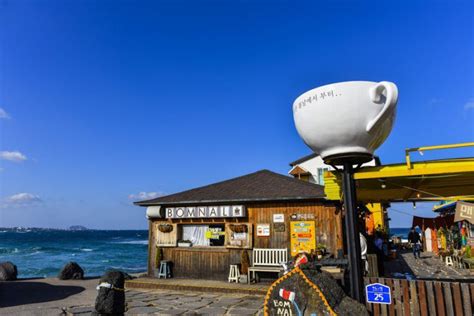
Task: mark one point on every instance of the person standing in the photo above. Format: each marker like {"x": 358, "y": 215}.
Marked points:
{"x": 415, "y": 241}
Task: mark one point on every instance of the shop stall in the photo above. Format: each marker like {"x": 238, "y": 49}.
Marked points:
{"x": 204, "y": 230}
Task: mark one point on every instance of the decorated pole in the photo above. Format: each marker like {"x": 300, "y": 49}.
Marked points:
{"x": 344, "y": 123}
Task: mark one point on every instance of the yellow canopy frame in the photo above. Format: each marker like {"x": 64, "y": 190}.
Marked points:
{"x": 435, "y": 180}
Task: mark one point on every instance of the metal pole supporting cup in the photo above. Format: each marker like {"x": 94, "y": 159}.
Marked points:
{"x": 352, "y": 234}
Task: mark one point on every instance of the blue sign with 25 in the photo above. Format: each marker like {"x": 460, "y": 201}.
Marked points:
{"x": 378, "y": 293}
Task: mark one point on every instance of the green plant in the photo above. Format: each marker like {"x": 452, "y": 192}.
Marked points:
{"x": 468, "y": 251}
{"x": 185, "y": 241}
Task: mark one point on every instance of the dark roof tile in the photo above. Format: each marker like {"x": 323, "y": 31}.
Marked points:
{"x": 263, "y": 185}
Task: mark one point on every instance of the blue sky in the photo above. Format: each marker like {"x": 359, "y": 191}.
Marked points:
{"x": 102, "y": 100}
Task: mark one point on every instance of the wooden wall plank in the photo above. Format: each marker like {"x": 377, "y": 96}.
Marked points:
{"x": 406, "y": 298}
{"x": 439, "y": 299}
{"x": 383, "y": 309}
{"x": 414, "y": 298}
{"x": 466, "y": 298}
{"x": 422, "y": 298}
{"x": 376, "y": 309}
{"x": 472, "y": 293}
{"x": 391, "y": 307}
{"x": 448, "y": 299}
{"x": 397, "y": 297}
{"x": 457, "y": 298}
{"x": 430, "y": 295}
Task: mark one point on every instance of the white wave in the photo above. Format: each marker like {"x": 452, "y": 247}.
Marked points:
{"x": 35, "y": 253}
{"x": 87, "y": 249}
{"x": 133, "y": 242}
{"x": 7, "y": 250}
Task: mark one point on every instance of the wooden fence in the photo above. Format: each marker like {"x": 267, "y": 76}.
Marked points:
{"x": 425, "y": 298}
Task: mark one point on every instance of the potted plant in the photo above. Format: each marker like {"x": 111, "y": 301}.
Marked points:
{"x": 165, "y": 228}
{"x": 184, "y": 243}
{"x": 320, "y": 251}
{"x": 238, "y": 228}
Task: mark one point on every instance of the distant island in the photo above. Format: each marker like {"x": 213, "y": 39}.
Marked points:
{"x": 77, "y": 227}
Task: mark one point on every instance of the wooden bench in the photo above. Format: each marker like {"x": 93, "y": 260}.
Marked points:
{"x": 267, "y": 260}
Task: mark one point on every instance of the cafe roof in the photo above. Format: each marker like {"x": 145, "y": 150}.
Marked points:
{"x": 263, "y": 185}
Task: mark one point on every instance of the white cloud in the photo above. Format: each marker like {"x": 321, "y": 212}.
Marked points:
{"x": 4, "y": 114}
{"x": 145, "y": 195}
{"x": 469, "y": 104}
{"x": 15, "y": 156}
{"x": 21, "y": 200}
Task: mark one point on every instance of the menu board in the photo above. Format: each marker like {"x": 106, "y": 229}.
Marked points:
{"x": 303, "y": 237}
{"x": 263, "y": 230}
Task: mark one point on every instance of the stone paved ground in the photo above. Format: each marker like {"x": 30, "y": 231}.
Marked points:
{"x": 163, "y": 302}
{"x": 428, "y": 267}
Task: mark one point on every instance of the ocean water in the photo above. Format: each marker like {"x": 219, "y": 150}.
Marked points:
{"x": 43, "y": 252}
{"x": 400, "y": 232}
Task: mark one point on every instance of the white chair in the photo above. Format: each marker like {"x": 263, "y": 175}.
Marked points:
{"x": 234, "y": 273}
{"x": 165, "y": 269}
{"x": 449, "y": 261}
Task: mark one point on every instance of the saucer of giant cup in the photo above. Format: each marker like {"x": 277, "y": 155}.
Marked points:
{"x": 346, "y": 122}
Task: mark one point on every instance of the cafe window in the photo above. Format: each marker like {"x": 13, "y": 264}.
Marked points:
{"x": 204, "y": 235}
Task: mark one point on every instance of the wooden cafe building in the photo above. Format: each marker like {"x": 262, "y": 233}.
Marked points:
{"x": 204, "y": 230}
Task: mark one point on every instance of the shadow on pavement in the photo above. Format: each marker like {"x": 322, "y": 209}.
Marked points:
{"x": 21, "y": 293}
{"x": 399, "y": 266}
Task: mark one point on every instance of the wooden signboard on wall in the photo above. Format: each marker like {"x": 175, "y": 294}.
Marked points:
{"x": 238, "y": 235}
{"x": 303, "y": 237}
{"x": 164, "y": 236}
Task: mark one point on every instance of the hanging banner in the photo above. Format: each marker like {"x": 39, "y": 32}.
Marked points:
{"x": 303, "y": 237}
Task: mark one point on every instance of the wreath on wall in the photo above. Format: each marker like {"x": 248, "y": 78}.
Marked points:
{"x": 165, "y": 228}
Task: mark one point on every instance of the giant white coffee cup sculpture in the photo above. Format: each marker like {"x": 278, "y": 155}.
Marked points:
{"x": 345, "y": 123}
{"x": 346, "y": 120}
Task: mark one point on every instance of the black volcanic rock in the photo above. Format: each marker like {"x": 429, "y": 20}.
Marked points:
{"x": 8, "y": 271}
{"x": 71, "y": 271}
{"x": 126, "y": 276}
{"x": 312, "y": 292}
{"x": 111, "y": 301}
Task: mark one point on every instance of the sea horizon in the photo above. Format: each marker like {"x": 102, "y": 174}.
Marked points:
{"x": 42, "y": 252}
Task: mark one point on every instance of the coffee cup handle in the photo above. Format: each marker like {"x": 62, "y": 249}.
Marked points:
{"x": 390, "y": 102}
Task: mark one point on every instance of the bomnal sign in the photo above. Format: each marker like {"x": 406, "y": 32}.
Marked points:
{"x": 205, "y": 211}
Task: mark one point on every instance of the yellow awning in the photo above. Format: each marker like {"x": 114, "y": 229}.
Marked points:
{"x": 449, "y": 179}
